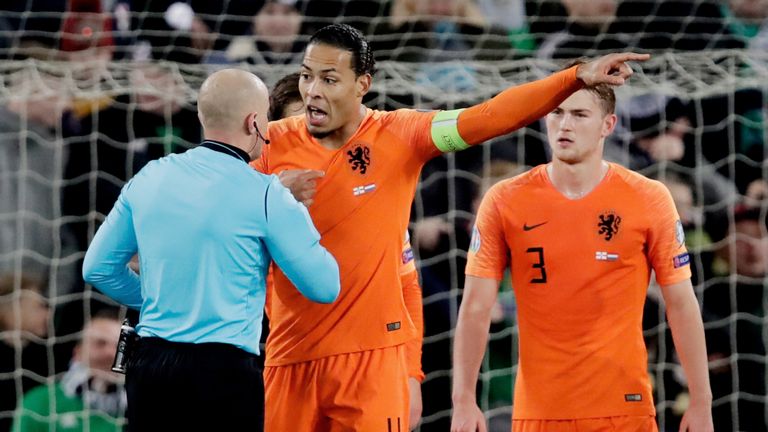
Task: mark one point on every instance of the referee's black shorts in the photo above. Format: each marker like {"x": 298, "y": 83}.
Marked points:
{"x": 193, "y": 387}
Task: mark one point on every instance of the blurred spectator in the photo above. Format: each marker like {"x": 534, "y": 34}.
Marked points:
{"x": 119, "y": 136}
{"x": 89, "y": 397}
{"x": 680, "y": 25}
{"x": 655, "y": 130}
{"x": 361, "y": 14}
{"x": 597, "y": 27}
{"x": 588, "y": 31}
{"x": 275, "y": 40}
{"x": 37, "y": 33}
{"x": 86, "y": 41}
{"x": 510, "y": 15}
{"x": 24, "y": 322}
{"x": 438, "y": 31}
{"x": 31, "y": 158}
{"x": 734, "y": 312}
{"x": 170, "y": 30}
{"x": 745, "y": 17}
{"x": 436, "y": 238}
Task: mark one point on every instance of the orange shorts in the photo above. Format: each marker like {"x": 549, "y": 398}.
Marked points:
{"x": 362, "y": 391}
{"x": 603, "y": 424}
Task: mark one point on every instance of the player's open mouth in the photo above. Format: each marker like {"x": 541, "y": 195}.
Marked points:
{"x": 316, "y": 116}
{"x": 565, "y": 141}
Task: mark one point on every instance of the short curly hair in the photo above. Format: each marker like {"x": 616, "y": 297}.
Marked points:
{"x": 348, "y": 38}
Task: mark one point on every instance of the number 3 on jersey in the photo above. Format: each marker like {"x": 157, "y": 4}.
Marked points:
{"x": 538, "y": 265}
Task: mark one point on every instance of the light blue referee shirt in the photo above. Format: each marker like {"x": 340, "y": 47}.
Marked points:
{"x": 206, "y": 225}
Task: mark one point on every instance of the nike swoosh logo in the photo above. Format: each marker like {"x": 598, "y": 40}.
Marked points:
{"x": 527, "y": 227}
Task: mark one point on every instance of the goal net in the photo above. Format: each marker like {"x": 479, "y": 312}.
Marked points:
{"x": 73, "y": 132}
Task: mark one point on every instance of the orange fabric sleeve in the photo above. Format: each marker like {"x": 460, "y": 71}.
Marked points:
{"x": 516, "y": 107}
{"x": 413, "y": 302}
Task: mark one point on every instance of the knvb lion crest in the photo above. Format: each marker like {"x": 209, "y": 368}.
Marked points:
{"x": 608, "y": 225}
{"x": 359, "y": 158}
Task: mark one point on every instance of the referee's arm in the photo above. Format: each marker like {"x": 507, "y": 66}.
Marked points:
{"x": 106, "y": 261}
{"x": 294, "y": 244}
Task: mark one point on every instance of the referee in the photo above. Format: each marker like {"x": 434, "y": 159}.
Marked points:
{"x": 205, "y": 226}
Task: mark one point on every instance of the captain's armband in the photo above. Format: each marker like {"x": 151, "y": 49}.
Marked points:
{"x": 445, "y": 131}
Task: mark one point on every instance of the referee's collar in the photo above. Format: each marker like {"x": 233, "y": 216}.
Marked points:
{"x": 227, "y": 149}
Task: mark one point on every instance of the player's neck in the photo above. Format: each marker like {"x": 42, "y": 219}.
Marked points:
{"x": 228, "y": 138}
{"x": 575, "y": 181}
{"x": 338, "y": 138}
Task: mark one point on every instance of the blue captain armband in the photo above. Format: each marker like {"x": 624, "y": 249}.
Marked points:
{"x": 445, "y": 131}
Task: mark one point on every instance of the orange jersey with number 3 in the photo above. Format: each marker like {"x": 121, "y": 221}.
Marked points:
{"x": 361, "y": 210}
{"x": 580, "y": 271}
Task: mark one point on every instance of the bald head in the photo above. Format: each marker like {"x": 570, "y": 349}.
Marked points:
{"x": 228, "y": 96}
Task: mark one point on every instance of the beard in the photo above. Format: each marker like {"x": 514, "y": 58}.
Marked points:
{"x": 320, "y": 134}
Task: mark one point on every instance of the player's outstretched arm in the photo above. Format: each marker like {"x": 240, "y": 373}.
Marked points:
{"x": 688, "y": 333}
{"x": 294, "y": 244}
{"x": 106, "y": 261}
{"x": 520, "y": 105}
{"x": 468, "y": 350}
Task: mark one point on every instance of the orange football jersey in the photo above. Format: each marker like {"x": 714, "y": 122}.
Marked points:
{"x": 580, "y": 271}
{"x": 361, "y": 210}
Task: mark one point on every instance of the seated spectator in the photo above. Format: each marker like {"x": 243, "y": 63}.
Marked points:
{"x": 24, "y": 323}
{"x": 733, "y": 311}
{"x": 30, "y": 162}
{"x": 678, "y": 25}
{"x": 119, "y": 137}
{"x": 601, "y": 26}
{"x": 588, "y": 31}
{"x": 86, "y": 41}
{"x": 656, "y": 130}
{"x": 439, "y": 30}
{"x": 745, "y": 17}
{"x": 89, "y": 397}
{"x": 37, "y": 33}
{"x": 170, "y": 30}
{"x": 510, "y": 15}
{"x": 276, "y": 36}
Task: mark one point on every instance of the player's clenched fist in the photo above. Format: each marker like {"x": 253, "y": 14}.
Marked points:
{"x": 302, "y": 183}
{"x": 467, "y": 417}
{"x": 609, "y": 69}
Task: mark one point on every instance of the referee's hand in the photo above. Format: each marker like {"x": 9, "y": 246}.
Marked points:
{"x": 302, "y": 183}
{"x": 467, "y": 417}
{"x": 611, "y": 69}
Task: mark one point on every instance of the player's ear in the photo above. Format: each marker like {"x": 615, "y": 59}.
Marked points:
{"x": 609, "y": 124}
{"x": 363, "y": 85}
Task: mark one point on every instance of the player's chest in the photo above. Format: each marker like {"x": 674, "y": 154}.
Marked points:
{"x": 600, "y": 233}
{"x": 360, "y": 167}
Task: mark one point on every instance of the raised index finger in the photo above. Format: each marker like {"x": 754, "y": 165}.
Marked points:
{"x": 631, "y": 56}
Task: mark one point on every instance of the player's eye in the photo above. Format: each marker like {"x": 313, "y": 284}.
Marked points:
{"x": 330, "y": 81}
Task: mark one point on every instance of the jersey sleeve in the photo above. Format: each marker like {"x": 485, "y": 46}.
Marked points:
{"x": 415, "y": 129}
{"x": 294, "y": 244}
{"x": 488, "y": 251}
{"x": 666, "y": 239}
{"x": 106, "y": 261}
